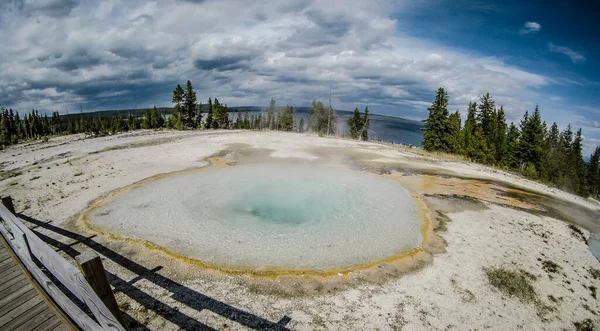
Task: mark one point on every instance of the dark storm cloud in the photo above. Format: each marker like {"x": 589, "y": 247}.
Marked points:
{"x": 55, "y": 8}
{"x": 294, "y": 80}
{"x": 192, "y": 1}
{"x": 260, "y": 17}
{"x": 285, "y": 7}
{"x": 222, "y": 63}
{"x": 334, "y": 25}
{"x": 52, "y": 8}
{"x": 76, "y": 60}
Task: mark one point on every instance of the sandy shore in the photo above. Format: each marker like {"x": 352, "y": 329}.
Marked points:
{"x": 56, "y": 181}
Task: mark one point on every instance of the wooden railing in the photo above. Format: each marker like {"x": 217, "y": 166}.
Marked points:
{"x": 32, "y": 251}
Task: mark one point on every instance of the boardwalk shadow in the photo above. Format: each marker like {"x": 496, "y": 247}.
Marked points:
{"x": 181, "y": 293}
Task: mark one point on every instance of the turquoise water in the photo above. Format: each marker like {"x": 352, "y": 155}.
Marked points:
{"x": 594, "y": 244}
{"x": 270, "y": 216}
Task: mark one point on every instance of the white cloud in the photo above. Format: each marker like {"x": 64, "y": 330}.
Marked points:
{"x": 530, "y": 27}
{"x": 117, "y": 54}
{"x": 573, "y": 55}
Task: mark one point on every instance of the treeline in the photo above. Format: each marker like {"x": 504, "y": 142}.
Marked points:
{"x": 187, "y": 114}
{"x": 531, "y": 148}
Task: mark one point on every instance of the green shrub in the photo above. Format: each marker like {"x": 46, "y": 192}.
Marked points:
{"x": 529, "y": 171}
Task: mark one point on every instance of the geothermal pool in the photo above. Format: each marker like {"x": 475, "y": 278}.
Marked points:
{"x": 269, "y": 217}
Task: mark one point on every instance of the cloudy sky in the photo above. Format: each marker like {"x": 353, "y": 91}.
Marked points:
{"x": 391, "y": 55}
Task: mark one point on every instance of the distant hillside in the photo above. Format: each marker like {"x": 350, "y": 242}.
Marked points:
{"x": 123, "y": 113}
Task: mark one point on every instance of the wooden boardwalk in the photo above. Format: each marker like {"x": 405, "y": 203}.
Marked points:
{"x": 22, "y": 307}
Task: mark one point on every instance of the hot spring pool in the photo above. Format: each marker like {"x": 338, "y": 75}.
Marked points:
{"x": 269, "y": 217}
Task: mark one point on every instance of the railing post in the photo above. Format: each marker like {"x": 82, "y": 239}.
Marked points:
{"x": 8, "y": 203}
{"x": 93, "y": 271}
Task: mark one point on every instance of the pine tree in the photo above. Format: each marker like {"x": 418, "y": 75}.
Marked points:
{"x": 5, "y": 136}
{"x": 221, "y": 120}
{"x": 238, "y": 121}
{"x": 578, "y": 164}
{"x": 321, "y": 117}
{"x": 301, "y": 125}
{"x": 480, "y": 151}
{"x": 271, "y": 114}
{"x": 366, "y": 122}
{"x": 246, "y": 121}
{"x": 453, "y": 136}
{"x": 198, "y": 123}
{"x": 467, "y": 132}
{"x": 189, "y": 106}
{"x": 259, "y": 122}
{"x": 500, "y": 136}
{"x": 354, "y": 124}
{"x": 154, "y": 118}
{"x": 176, "y": 114}
{"x": 486, "y": 110}
{"x": 565, "y": 175}
{"x": 552, "y": 155}
{"x": 146, "y": 123}
{"x": 286, "y": 119}
{"x": 436, "y": 125}
{"x": 532, "y": 138}
{"x": 178, "y": 95}
{"x": 487, "y": 118}
{"x": 209, "y": 115}
{"x": 512, "y": 158}
{"x": 593, "y": 175}
{"x": 160, "y": 120}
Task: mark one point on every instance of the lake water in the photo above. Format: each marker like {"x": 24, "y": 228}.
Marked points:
{"x": 385, "y": 128}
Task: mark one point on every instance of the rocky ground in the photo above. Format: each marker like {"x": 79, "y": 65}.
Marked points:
{"x": 512, "y": 259}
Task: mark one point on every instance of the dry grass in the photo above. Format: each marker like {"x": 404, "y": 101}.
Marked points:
{"x": 514, "y": 283}
{"x": 435, "y": 155}
{"x": 10, "y": 174}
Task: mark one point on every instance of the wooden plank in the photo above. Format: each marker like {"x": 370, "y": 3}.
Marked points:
{"x": 84, "y": 321}
{"x": 9, "y": 291}
{"x": 6, "y": 262}
{"x": 17, "y": 280}
{"x": 49, "y": 325}
{"x": 30, "y": 295}
{"x": 66, "y": 273}
{"x": 66, "y": 320}
{"x": 5, "y": 259}
{"x": 8, "y": 270}
{"x": 45, "y": 316}
{"x": 14, "y": 314}
{"x": 13, "y": 274}
{"x": 61, "y": 327}
{"x": 12, "y": 289}
{"x": 14, "y": 294}
{"x": 93, "y": 271}
{"x": 60, "y": 268}
{"x": 4, "y": 255}
{"x": 25, "y": 315}
{"x": 78, "y": 316}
